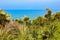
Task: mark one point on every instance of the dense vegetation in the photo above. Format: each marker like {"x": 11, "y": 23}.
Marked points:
{"x": 45, "y": 27}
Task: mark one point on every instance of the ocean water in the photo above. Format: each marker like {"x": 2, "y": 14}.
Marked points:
{"x": 21, "y": 13}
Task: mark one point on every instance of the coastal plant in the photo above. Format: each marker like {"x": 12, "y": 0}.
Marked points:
{"x": 39, "y": 28}
{"x": 4, "y": 17}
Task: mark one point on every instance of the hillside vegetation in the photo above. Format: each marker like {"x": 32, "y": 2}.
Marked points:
{"x": 45, "y": 27}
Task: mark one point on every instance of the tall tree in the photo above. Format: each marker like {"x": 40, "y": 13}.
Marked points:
{"x": 48, "y": 15}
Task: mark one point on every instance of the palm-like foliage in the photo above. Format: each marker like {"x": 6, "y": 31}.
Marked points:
{"x": 4, "y": 17}
{"x": 48, "y": 15}
{"x": 26, "y": 29}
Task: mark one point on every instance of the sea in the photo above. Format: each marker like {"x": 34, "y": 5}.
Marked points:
{"x": 21, "y": 13}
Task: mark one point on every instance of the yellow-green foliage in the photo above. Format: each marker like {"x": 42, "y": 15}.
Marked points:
{"x": 4, "y": 14}
{"x": 4, "y": 17}
{"x": 40, "y": 28}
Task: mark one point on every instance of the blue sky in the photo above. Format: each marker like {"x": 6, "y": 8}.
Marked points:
{"x": 30, "y": 4}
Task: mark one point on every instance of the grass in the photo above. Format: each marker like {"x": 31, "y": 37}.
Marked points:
{"x": 40, "y": 28}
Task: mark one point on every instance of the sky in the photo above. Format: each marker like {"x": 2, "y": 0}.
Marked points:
{"x": 30, "y": 4}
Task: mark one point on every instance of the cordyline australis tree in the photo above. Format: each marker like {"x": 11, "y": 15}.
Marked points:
{"x": 4, "y": 17}
{"x": 26, "y": 20}
{"x": 48, "y": 15}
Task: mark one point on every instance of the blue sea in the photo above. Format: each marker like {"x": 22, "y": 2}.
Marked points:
{"x": 21, "y": 13}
